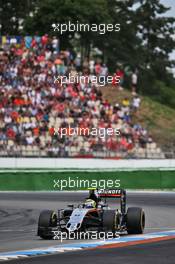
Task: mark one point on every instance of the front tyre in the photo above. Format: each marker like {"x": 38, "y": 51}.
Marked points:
{"x": 135, "y": 220}
{"x": 47, "y": 221}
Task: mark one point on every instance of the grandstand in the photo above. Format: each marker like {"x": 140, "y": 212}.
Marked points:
{"x": 32, "y": 105}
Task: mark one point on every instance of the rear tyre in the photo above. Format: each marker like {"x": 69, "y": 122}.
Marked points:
{"x": 47, "y": 219}
{"x": 109, "y": 220}
{"x": 135, "y": 220}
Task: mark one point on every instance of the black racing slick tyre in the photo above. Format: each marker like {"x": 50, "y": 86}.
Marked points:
{"x": 47, "y": 219}
{"x": 109, "y": 220}
{"x": 135, "y": 220}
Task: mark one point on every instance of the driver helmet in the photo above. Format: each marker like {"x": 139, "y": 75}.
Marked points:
{"x": 89, "y": 203}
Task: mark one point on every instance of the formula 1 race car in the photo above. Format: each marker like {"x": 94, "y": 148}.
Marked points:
{"x": 93, "y": 214}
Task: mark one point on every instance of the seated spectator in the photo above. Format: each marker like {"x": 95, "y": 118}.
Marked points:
{"x": 33, "y": 107}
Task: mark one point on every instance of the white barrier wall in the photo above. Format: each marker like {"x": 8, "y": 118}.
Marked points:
{"x": 62, "y": 163}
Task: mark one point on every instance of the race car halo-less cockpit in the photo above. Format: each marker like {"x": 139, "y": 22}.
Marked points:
{"x": 93, "y": 214}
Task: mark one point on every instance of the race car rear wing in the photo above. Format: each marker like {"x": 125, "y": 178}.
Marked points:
{"x": 113, "y": 193}
{"x": 108, "y": 193}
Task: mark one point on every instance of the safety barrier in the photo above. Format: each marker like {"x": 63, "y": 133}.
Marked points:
{"x": 78, "y": 163}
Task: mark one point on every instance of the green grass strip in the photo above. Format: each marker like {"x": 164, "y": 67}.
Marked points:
{"x": 51, "y": 181}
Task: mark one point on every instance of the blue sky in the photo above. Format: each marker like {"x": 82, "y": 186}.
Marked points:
{"x": 169, "y": 3}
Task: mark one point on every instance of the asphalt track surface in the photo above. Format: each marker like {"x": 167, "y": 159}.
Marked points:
{"x": 18, "y": 225}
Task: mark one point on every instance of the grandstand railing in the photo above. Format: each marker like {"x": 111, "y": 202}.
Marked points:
{"x": 68, "y": 153}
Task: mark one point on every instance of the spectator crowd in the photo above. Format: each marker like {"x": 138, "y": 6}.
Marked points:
{"x": 32, "y": 106}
